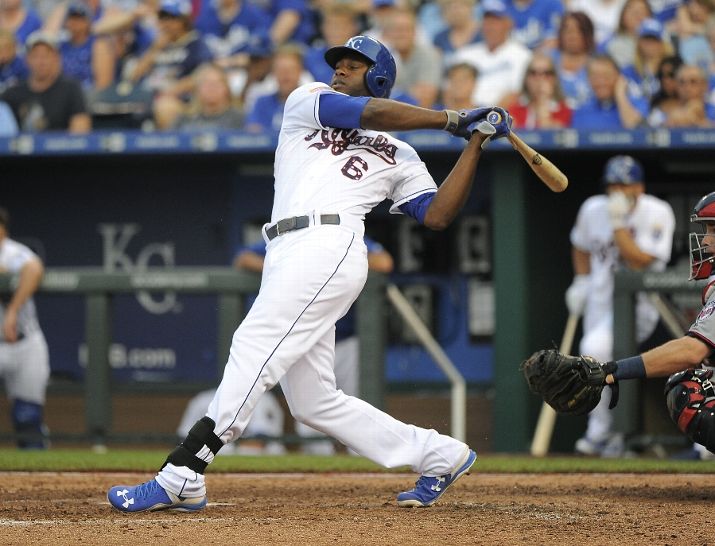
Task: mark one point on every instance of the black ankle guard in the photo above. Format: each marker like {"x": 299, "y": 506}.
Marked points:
{"x": 201, "y": 434}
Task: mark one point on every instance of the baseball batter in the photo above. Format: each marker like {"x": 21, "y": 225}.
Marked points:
{"x": 333, "y": 164}
{"x": 626, "y": 228}
{"x": 24, "y": 358}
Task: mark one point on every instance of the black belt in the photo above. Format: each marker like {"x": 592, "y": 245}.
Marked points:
{"x": 298, "y": 222}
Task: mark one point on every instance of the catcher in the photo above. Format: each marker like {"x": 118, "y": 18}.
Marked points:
{"x": 573, "y": 384}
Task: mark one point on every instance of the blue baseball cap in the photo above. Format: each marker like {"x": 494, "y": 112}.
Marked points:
{"x": 383, "y": 3}
{"x": 650, "y": 28}
{"x": 76, "y": 9}
{"x": 623, "y": 169}
{"x": 176, "y": 8}
{"x": 495, "y": 7}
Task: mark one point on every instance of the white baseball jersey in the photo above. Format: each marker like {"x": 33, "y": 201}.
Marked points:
{"x": 652, "y": 224}
{"x": 345, "y": 171}
{"x": 13, "y": 256}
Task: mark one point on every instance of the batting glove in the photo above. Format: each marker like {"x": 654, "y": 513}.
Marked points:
{"x": 500, "y": 122}
{"x": 458, "y": 123}
{"x": 618, "y": 208}
{"x": 577, "y": 294}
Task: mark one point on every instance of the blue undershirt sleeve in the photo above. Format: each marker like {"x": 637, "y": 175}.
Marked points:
{"x": 417, "y": 207}
{"x": 341, "y": 111}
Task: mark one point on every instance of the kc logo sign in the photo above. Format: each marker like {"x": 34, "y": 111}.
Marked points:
{"x": 116, "y": 239}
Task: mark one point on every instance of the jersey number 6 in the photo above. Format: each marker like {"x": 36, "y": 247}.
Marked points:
{"x": 354, "y": 167}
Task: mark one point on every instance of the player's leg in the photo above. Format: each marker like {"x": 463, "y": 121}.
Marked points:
{"x": 313, "y": 398}
{"x": 310, "y": 279}
{"x": 26, "y": 382}
{"x": 599, "y": 438}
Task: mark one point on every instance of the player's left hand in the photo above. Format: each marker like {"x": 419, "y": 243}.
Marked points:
{"x": 618, "y": 207}
{"x": 465, "y": 120}
{"x": 496, "y": 124}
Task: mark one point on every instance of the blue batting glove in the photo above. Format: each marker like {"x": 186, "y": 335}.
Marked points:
{"x": 458, "y": 123}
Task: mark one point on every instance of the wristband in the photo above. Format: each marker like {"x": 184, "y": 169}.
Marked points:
{"x": 452, "y": 121}
{"x": 630, "y": 368}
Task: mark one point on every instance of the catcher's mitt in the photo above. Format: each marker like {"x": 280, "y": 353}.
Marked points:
{"x": 569, "y": 384}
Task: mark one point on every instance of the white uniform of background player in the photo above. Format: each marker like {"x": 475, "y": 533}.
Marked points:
{"x": 326, "y": 180}
{"x": 24, "y": 358}
{"x": 624, "y": 229}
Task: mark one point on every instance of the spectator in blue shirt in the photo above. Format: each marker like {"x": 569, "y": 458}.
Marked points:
{"x": 462, "y": 26}
{"x": 292, "y": 20}
{"x": 610, "y": 107}
{"x": 267, "y": 112}
{"x": 12, "y": 67}
{"x": 536, "y": 22}
{"x": 8, "y": 125}
{"x": 228, "y": 26}
{"x": 651, "y": 48}
{"x": 339, "y": 23}
{"x": 19, "y": 20}
{"x": 576, "y": 44}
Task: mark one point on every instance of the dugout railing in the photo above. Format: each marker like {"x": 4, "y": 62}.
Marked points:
{"x": 98, "y": 288}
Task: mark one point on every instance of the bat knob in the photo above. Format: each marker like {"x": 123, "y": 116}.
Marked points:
{"x": 494, "y": 117}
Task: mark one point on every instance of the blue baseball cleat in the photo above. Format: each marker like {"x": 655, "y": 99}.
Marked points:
{"x": 428, "y": 489}
{"x": 151, "y": 496}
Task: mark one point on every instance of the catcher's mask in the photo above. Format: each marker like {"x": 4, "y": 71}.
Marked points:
{"x": 701, "y": 256}
{"x": 380, "y": 77}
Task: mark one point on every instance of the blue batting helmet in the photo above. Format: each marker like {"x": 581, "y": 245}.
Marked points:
{"x": 622, "y": 169}
{"x": 380, "y": 77}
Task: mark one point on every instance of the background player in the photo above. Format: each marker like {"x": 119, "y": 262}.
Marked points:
{"x": 267, "y": 418}
{"x": 24, "y": 358}
{"x": 626, "y": 228}
{"x": 332, "y": 166}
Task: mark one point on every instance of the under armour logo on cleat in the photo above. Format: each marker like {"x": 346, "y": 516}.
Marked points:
{"x": 437, "y": 486}
{"x": 127, "y": 501}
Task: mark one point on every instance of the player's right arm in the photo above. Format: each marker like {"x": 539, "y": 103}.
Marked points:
{"x": 30, "y": 277}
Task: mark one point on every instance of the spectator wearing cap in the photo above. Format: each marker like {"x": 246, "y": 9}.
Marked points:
{"x": 541, "y": 104}
{"x": 621, "y": 45}
{"x": 536, "y": 22}
{"x": 460, "y": 83}
{"x": 692, "y": 110}
{"x": 603, "y": 13}
{"x": 227, "y": 26}
{"x": 339, "y": 23}
{"x": 12, "y": 66}
{"x": 287, "y": 69}
{"x": 500, "y": 60}
{"x": 610, "y": 106}
{"x": 212, "y": 105}
{"x": 420, "y": 64}
{"x": 576, "y": 44}
{"x": 166, "y": 67}
{"x": 80, "y": 59}
{"x": 18, "y": 19}
{"x": 652, "y": 47}
{"x": 463, "y": 28}
{"x": 47, "y": 101}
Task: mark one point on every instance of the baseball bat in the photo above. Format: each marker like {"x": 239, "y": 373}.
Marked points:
{"x": 547, "y": 417}
{"x": 547, "y": 172}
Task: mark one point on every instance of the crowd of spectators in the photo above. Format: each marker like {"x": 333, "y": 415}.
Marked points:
{"x": 195, "y": 64}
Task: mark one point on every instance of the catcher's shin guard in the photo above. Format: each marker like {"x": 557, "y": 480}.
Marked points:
{"x": 200, "y": 435}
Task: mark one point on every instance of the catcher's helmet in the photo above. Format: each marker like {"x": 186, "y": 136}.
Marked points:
{"x": 701, "y": 258}
{"x": 622, "y": 169}
{"x": 380, "y": 77}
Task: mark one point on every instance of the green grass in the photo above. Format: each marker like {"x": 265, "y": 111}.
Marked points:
{"x": 85, "y": 460}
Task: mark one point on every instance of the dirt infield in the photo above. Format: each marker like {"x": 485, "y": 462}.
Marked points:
{"x": 494, "y": 509}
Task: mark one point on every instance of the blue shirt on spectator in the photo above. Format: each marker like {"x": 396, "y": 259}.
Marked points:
{"x": 177, "y": 60}
{"x": 441, "y": 40}
{"x": 267, "y": 112}
{"x": 13, "y": 72}
{"x": 641, "y": 85}
{"x": 574, "y": 86}
{"x": 77, "y": 61}
{"x": 305, "y": 31}
{"x": 314, "y": 62}
{"x": 535, "y": 22}
{"x": 664, "y": 10}
{"x": 229, "y": 38}
{"x": 8, "y": 124}
{"x": 603, "y": 115}
{"x": 30, "y": 24}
